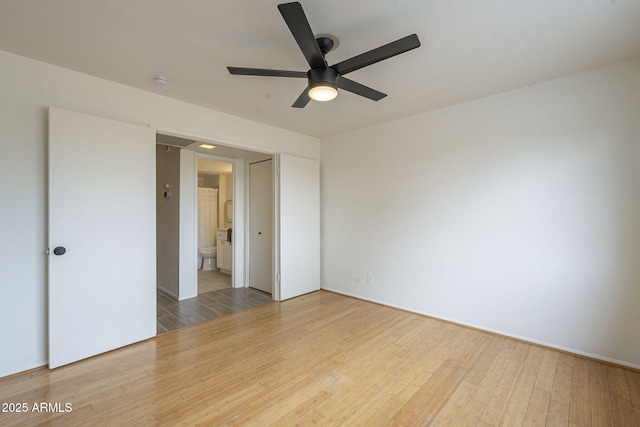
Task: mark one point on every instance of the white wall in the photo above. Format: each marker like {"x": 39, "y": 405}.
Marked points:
{"x": 168, "y": 219}
{"x": 517, "y": 213}
{"x": 28, "y": 88}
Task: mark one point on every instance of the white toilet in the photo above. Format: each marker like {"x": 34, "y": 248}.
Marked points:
{"x": 208, "y": 255}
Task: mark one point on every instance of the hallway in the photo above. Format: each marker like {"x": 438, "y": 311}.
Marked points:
{"x": 173, "y": 314}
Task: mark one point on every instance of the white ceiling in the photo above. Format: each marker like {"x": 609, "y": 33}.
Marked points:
{"x": 470, "y": 49}
{"x": 214, "y": 167}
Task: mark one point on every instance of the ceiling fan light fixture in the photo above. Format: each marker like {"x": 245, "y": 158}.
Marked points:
{"x": 323, "y": 84}
{"x": 323, "y": 92}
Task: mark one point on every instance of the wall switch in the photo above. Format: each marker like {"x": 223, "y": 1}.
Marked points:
{"x": 369, "y": 279}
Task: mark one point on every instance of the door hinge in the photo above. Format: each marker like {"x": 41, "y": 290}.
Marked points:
{"x": 278, "y": 277}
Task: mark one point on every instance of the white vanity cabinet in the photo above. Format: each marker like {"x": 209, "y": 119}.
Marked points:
{"x": 224, "y": 259}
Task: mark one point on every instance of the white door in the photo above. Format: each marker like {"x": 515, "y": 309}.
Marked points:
{"x": 299, "y": 224}
{"x": 102, "y": 211}
{"x": 261, "y": 225}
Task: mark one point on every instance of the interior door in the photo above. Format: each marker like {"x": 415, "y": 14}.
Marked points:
{"x": 102, "y": 212}
{"x": 299, "y": 225}
{"x": 261, "y": 225}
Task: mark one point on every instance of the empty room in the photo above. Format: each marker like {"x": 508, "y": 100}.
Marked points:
{"x": 334, "y": 213}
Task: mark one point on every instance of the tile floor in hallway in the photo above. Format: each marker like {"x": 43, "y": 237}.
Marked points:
{"x": 215, "y": 298}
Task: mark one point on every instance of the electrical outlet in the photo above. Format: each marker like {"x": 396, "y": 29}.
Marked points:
{"x": 369, "y": 279}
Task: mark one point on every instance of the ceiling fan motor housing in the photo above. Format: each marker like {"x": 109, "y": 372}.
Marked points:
{"x": 322, "y": 77}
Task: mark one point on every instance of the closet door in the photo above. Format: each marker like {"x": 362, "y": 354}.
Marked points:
{"x": 261, "y": 225}
{"x": 299, "y": 224}
{"x": 102, "y": 263}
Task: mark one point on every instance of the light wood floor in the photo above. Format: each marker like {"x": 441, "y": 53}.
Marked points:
{"x": 332, "y": 360}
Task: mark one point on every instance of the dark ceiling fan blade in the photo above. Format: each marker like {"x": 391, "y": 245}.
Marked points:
{"x": 303, "y": 99}
{"x": 359, "y": 89}
{"x": 264, "y": 72}
{"x": 299, "y": 25}
{"x": 378, "y": 54}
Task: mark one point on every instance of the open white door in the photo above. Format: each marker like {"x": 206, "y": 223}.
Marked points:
{"x": 102, "y": 211}
{"x": 299, "y": 224}
{"x": 261, "y": 225}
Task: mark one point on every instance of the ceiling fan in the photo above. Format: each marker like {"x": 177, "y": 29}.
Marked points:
{"x": 324, "y": 80}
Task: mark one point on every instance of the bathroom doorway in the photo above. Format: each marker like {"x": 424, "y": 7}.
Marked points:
{"x": 215, "y": 225}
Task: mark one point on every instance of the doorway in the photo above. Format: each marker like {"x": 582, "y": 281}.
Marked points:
{"x": 209, "y": 188}
{"x": 215, "y": 221}
{"x": 295, "y": 267}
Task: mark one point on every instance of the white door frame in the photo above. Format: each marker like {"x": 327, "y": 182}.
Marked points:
{"x": 237, "y": 173}
{"x": 188, "y": 263}
{"x": 276, "y": 229}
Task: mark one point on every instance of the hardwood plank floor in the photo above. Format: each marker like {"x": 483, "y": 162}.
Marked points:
{"x": 328, "y": 359}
